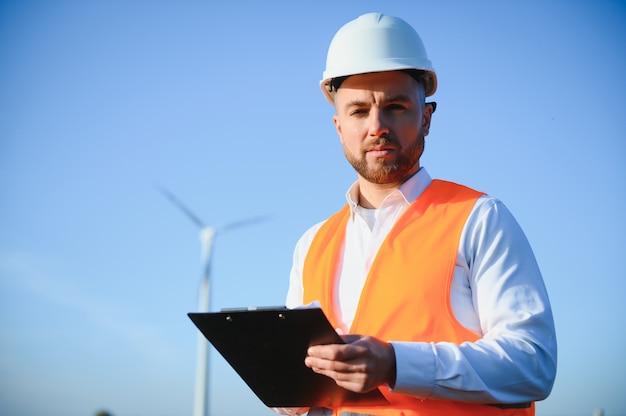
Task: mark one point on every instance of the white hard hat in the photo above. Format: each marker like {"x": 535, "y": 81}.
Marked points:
{"x": 375, "y": 42}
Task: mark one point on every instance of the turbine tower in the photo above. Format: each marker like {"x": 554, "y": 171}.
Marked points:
{"x": 207, "y": 236}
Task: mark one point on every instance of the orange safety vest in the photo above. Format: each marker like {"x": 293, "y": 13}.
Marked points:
{"x": 406, "y": 296}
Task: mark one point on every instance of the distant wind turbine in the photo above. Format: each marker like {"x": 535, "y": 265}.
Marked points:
{"x": 207, "y": 236}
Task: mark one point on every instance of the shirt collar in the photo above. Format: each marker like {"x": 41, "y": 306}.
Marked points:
{"x": 409, "y": 190}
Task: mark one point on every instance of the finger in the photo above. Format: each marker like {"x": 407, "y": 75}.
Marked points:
{"x": 327, "y": 352}
{"x": 290, "y": 411}
{"x": 350, "y": 338}
{"x": 353, "y": 381}
{"x": 335, "y": 366}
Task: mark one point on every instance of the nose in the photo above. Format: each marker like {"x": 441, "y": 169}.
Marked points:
{"x": 377, "y": 123}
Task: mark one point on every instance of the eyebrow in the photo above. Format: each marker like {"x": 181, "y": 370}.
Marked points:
{"x": 394, "y": 98}
{"x": 398, "y": 97}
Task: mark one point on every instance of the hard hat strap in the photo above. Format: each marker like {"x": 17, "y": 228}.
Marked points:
{"x": 335, "y": 83}
{"x": 416, "y": 74}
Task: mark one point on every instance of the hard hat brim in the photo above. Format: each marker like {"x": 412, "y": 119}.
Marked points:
{"x": 428, "y": 79}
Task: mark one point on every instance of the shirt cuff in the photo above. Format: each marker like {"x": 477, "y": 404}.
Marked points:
{"x": 415, "y": 368}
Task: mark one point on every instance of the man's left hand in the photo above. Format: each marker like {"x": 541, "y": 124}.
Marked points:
{"x": 360, "y": 365}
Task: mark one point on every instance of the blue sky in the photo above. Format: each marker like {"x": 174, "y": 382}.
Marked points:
{"x": 100, "y": 102}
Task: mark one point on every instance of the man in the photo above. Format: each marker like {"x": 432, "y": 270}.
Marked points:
{"x": 435, "y": 283}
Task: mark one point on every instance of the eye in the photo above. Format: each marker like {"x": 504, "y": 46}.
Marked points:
{"x": 396, "y": 107}
{"x": 358, "y": 112}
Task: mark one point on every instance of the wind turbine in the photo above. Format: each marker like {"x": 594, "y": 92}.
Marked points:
{"x": 207, "y": 236}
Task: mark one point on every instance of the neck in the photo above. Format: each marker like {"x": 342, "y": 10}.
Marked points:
{"x": 371, "y": 195}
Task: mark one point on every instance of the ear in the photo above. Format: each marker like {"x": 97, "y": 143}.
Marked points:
{"x": 429, "y": 109}
{"x": 338, "y": 127}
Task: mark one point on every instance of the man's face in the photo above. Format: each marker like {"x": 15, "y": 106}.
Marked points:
{"x": 382, "y": 122}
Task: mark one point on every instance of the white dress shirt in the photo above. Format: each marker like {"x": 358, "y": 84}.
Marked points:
{"x": 497, "y": 292}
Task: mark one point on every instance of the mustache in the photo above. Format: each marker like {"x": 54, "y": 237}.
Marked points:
{"x": 385, "y": 140}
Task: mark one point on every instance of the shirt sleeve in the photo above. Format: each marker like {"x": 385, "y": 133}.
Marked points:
{"x": 514, "y": 361}
{"x": 295, "y": 292}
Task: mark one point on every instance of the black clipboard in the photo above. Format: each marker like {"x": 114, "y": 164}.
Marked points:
{"x": 267, "y": 347}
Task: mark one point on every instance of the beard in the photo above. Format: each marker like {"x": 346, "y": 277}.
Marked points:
{"x": 383, "y": 171}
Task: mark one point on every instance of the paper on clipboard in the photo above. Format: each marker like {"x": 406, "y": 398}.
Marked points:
{"x": 267, "y": 348}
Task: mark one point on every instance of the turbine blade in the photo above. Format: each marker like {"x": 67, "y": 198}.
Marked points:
{"x": 241, "y": 223}
{"x": 169, "y": 195}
